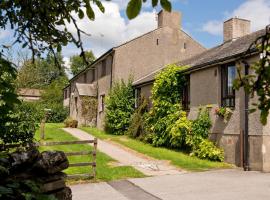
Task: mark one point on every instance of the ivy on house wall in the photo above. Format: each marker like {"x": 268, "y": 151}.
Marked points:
{"x": 89, "y": 110}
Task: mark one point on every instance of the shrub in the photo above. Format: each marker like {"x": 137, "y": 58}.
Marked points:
{"x": 119, "y": 107}
{"x": 137, "y": 124}
{"x": 208, "y": 150}
{"x": 179, "y": 131}
{"x": 198, "y": 140}
{"x": 69, "y": 122}
{"x": 166, "y": 96}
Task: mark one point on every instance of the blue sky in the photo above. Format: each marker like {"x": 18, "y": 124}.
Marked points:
{"x": 202, "y": 19}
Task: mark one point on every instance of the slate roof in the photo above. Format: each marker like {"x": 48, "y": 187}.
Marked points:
{"x": 86, "y": 89}
{"x": 28, "y": 92}
{"x": 223, "y": 52}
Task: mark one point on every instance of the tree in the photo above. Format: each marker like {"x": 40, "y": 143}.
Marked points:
{"x": 78, "y": 64}
{"x": 41, "y": 73}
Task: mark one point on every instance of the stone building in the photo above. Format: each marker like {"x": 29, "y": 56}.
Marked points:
{"x": 245, "y": 140}
{"x": 29, "y": 94}
{"x": 168, "y": 43}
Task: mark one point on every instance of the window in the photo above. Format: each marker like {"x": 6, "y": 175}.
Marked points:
{"x": 185, "y": 45}
{"x": 93, "y": 75}
{"x": 228, "y": 74}
{"x": 186, "y": 94}
{"x": 137, "y": 97}
{"x": 157, "y": 42}
{"x": 103, "y": 68}
{"x": 76, "y": 104}
{"x": 102, "y": 103}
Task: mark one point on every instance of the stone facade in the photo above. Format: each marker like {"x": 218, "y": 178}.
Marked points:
{"x": 205, "y": 76}
{"x": 136, "y": 58}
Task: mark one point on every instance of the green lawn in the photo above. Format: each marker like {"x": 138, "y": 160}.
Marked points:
{"x": 105, "y": 170}
{"x": 176, "y": 158}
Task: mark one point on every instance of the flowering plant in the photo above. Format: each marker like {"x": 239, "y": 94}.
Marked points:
{"x": 224, "y": 112}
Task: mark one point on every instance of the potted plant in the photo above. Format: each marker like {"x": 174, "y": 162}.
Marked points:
{"x": 224, "y": 112}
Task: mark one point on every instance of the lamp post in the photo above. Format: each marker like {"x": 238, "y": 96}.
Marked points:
{"x": 43, "y": 121}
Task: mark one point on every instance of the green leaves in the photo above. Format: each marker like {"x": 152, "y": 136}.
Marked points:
{"x": 166, "y": 5}
{"x": 154, "y": 3}
{"x": 133, "y": 8}
{"x": 119, "y": 106}
{"x": 81, "y": 14}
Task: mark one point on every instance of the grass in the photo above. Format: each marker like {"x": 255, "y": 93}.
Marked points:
{"x": 105, "y": 171}
{"x": 176, "y": 158}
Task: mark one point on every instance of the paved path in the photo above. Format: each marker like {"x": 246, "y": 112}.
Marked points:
{"x": 146, "y": 165}
{"x": 211, "y": 185}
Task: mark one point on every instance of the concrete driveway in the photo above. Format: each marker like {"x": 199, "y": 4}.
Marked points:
{"x": 211, "y": 185}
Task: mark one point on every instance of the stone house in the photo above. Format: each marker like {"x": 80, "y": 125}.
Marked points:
{"x": 245, "y": 140}
{"x": 29, "y": 94}
{"x": 136, "y": 58}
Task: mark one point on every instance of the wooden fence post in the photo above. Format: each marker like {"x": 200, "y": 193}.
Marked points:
{"x": 94, "y": 158}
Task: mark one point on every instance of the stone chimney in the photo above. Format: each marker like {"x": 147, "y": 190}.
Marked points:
{"x": 170, "y": 19}
{"x": 235, "y": 28}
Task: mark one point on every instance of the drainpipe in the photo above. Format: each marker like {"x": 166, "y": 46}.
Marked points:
{"x": 246, "y": 119}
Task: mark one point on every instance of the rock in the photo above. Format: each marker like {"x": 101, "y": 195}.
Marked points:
{"x": 53, "y": 186}
{"x": 64, "y": 194}
{"x": 51, "y": 162}
{"x": 52, "y": 177}
{"x": 21, "y": 161}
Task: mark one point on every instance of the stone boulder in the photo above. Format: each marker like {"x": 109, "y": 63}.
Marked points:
{"x": 51, "y": 162}
{"x": 22, "y": 161}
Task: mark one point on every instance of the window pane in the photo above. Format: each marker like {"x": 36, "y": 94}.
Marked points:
{"x": 231, "y": 77}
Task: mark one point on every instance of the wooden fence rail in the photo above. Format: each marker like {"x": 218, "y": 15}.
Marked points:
{"x": 93, "y": 154}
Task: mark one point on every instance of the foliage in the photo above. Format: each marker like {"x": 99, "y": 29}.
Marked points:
{"x": 16, "y": 124}
{"x": 198, "y": 140}
{"x": 166, "y": 96}
{"x": 179, "y": 131}
{"x": 69, "y": 122}
{"x": 41, "y": 73}
{"x": 224, "y": 112}
{"x": 136, "y": 128}
{"x": 134, "y": 6}
{"x": 77, "y": 63}
{"x": 208, "y": 150}
{"x": 259, "y": 82}
{"x": 119, "y": 107}
{"x": 23, "y": 190}
{"x": 168, "y": 123}
{"x": 89, "y": 109}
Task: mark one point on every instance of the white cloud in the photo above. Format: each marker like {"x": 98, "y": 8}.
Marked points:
{"x": 111, "y": 29}
{"x": 257, "y": 11}
{"x": 213, "y": 27}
